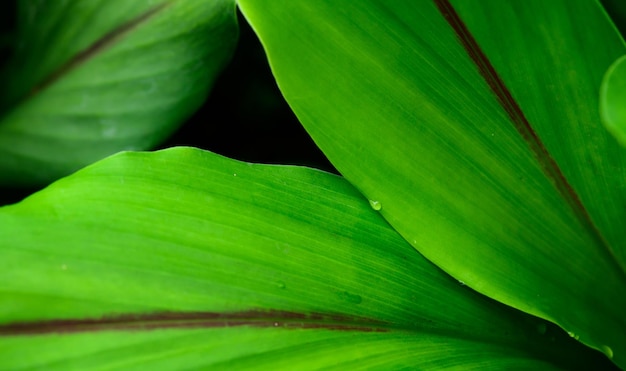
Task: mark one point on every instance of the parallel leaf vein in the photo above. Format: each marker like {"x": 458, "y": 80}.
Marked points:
{"x": 100, "y": 45}
{"x": 504, "y": 97}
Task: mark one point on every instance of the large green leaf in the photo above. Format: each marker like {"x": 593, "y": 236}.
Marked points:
{"x": 183, "y": 258}
{"x": 90, "y": 78}
{"x": 474, "y": 128}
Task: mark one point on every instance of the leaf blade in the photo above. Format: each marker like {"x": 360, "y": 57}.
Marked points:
{"x": 274, "y": 348}
{"x": 421, "y": 132}
{"x": 231, "y": 254}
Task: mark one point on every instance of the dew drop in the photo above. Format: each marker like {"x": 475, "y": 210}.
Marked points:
{"x": 462, "y": 283}
{"x": 281, "y": 285}
{"x": 376, "y": 205}
{"x": 571, "y": 334}
{"x": 607, "y": 351}
{"x": 351, "y": 298}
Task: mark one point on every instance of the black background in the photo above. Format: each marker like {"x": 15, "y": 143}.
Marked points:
{"x": 246, "y": 117}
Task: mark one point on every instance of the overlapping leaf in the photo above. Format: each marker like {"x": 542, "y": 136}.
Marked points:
{"x": 182, "y": 259}
{"x": 613, "y": 98}
{"x": 90, "y": 78}
{"x": 475, "y": 128}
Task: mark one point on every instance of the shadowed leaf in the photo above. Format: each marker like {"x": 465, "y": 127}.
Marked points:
{"x": 91, "y": 78}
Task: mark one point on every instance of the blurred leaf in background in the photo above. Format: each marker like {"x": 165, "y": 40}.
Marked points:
{"x": 613, "y": 90}
{"x": 91, "y": 78}
{"x": 613, "y": 98}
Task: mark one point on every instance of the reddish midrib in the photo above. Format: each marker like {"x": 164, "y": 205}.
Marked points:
{"x": 99, "y": 46}
{"x": 190, "y": 320}
{"x": 519, "y": 120}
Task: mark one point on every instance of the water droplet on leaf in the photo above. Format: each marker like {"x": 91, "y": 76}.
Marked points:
{"x": 351, "y": 298}
{"x": 607, "y": 351}
{"x": 376, "y": 205}
{"x": 571, "y": 334}
{"x": 281, "y": 285}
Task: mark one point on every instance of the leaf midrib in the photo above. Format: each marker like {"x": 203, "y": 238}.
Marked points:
{"x": 546, "y": 162}
{"x": 259, "y": 318}
{"x": 190, "y": 320}
{"x": 278, "y": 319}
{"x": 99, "y": 46}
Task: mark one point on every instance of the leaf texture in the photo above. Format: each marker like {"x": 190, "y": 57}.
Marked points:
{"x": 182, "y": 258}
{"x": 91, "y": 78}
{"x": 476, "y": 132}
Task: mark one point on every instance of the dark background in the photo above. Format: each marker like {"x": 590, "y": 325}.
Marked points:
{"x": 245, "y": 117}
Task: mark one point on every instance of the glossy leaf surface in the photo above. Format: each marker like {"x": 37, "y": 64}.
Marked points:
{"x": 91, "y": 78}
{"x": 183, "y": 258}
{"x": 476, "y": 131}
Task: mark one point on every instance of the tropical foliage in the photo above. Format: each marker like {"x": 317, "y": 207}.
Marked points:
{"x": 478, "y": 221}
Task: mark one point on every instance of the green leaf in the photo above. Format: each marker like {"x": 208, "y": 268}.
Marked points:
{"x": 91, "y": 78}
{"x": 613, "y": 100}
{"x": 182, "y": 258}
{"x": 476, "y": 131}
